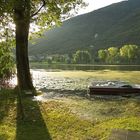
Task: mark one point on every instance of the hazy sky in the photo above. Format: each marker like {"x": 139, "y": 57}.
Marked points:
{"x": 96, "y": 4}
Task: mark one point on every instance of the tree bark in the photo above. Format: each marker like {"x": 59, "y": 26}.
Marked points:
{"x": 22, "y": 22}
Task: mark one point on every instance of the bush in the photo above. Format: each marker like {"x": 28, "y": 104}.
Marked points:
{"x": 7, "y": 68}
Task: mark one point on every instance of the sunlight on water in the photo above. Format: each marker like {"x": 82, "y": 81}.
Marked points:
{"x": 38, "y": 77}
{"x": 13, "y": 81}
{"x": 39, "y": 98}
{"x": 78, "y": 79}
{"x": 137, "y": 86}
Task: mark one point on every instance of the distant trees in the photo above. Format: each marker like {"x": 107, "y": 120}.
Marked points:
{"x": 113, "y": 55}
{"x": 59, "y": 59}
{"x": 127, "y": 54}
{"x": 82, "y": 57}
{"x": 102, "y": 55}
{"x": 109, "y": 55}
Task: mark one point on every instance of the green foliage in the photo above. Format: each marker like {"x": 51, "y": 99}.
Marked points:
{"x": 130, "y": 52}
{"x": 6, "y": 61}
{"x": 49, "y": 61}
{"x": 58, "y": 59}
{"x": 102, "y": 55}
{"x": 127, "y": 54}
{"x": 82, "y": 57}
{"x": 43, "y": 13}
{"x": 113, "y": 54}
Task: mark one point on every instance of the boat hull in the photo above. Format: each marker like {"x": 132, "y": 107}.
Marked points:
{"x": 113, "y": 91}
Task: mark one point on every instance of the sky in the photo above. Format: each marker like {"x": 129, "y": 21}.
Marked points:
{"x": 96, "y": 4}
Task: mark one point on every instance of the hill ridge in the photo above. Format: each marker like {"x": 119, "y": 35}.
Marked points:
{"x": 114, "y": 25}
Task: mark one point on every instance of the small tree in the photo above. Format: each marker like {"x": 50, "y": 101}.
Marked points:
{"x": 6, "y": 62}
{"x": 129, "y": 53}
{"x": 82, "y": 57}
{"x": 112, "y": 55}
{"x": 102, "y": 55}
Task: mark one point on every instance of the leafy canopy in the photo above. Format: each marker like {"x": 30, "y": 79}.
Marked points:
{"x": 44, "y": 13}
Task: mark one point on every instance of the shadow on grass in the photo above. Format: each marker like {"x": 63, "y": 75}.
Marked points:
{"x": 33, "y": 126}
{"x": 52, "y": 93}
{"x": 7, "y": 101}
{"x": 7, "y": 104}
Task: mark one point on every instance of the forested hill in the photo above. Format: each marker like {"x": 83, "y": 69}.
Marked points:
{"x": 114, "y": 25}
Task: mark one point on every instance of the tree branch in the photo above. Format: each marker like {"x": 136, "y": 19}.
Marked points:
{"x": 44, "y": 3}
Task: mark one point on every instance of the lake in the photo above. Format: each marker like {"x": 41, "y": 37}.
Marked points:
{"x": 84, "y": 67}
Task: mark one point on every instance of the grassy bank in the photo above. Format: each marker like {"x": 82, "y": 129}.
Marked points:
{"x": 69, "y": 118}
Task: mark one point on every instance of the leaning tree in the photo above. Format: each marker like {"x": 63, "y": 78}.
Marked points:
{"x": 16, "y": 16}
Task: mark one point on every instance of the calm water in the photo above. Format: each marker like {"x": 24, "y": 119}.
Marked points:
{"x": 86, "y": 67}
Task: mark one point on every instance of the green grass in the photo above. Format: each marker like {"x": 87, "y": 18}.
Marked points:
{"x": 107, "y": 115}
{"x": 103, "y": 130}
{"x": 43, "y": 121}
{"x": 71, "y": 118}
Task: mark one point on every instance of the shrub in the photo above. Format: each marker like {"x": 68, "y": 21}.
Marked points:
{"x": 7, "y": 68}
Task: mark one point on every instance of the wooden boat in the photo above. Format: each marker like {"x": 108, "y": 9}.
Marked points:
{"x": 113, "y": 91}
{"x": 120, "y": 89}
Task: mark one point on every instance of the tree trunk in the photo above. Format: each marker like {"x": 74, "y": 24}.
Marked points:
{"x": 23, "y": 71}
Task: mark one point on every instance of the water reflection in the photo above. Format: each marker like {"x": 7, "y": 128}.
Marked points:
{"x": 56, "y": 67}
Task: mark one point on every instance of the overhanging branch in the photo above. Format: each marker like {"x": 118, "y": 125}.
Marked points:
{"x": 43, "y": 4}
